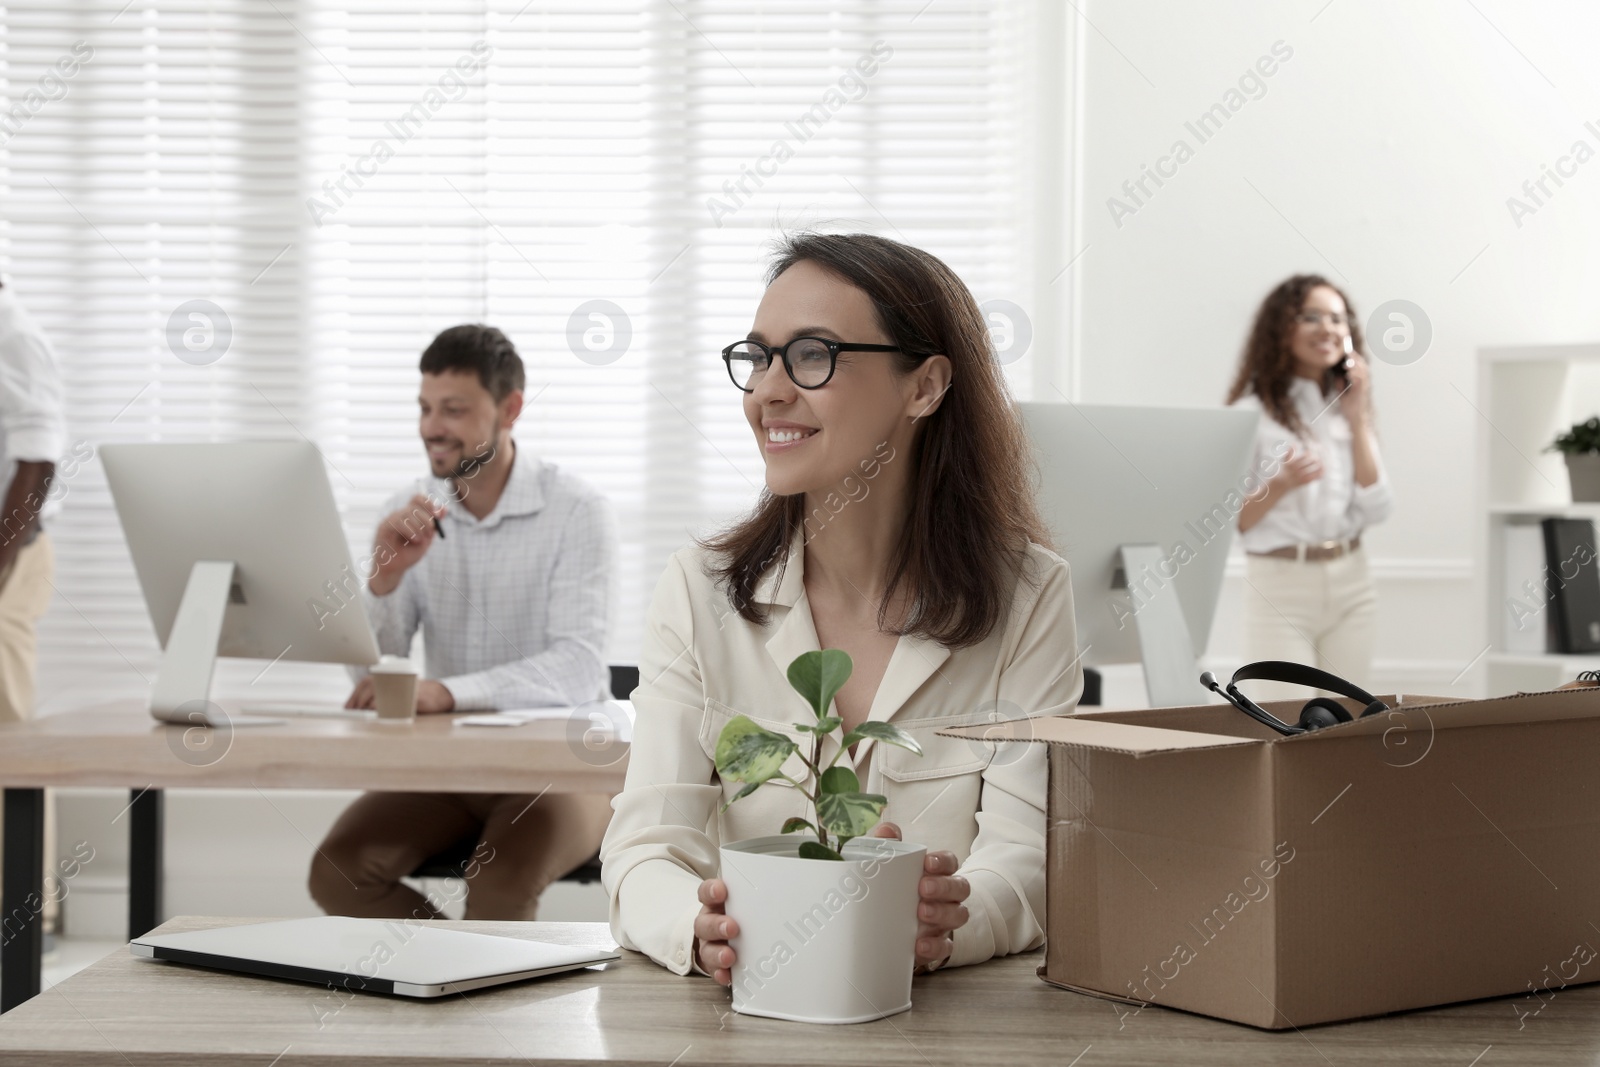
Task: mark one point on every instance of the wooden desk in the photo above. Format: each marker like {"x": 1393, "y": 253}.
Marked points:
{"x": 127, "y": 1011}
{"x": 121, "y": 745}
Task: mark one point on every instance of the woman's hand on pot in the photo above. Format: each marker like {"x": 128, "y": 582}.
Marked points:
{"x": 940, "y": 912}
{"x": 940, "y": 892}
{"x": 712, "y": 928}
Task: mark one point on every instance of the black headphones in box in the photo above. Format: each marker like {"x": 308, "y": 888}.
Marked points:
{"x": 1318, "y": 711}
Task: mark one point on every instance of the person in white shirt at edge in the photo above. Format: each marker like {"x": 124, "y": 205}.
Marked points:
{"x": 33, "y": 436}
{"x": 1310, "y": 598}
{"x": 898, "y": 524}
{"x": 514, "y": 603}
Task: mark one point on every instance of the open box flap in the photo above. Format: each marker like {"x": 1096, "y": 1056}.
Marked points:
{"x": 1133, "y": 739}
{"x": 1545, "y": 706}
{"x": 1126, "y": 738}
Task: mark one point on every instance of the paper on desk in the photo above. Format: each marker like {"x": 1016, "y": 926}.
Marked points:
{"x": 617, "y": 715}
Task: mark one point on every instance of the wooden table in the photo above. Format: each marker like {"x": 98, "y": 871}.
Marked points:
{"x": 129, "y": 1011}
{"x": 120, "y": 745}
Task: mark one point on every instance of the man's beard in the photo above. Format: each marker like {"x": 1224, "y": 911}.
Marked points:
{"x": 470, "y": 466}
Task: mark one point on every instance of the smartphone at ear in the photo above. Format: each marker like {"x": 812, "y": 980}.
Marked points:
{"x": 1341, "y": 369}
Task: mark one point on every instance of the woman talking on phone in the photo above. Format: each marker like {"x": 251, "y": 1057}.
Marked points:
{"x": 1310, "y": 598}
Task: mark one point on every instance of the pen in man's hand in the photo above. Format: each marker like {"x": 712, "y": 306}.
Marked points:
{"x": 438, "y": 527}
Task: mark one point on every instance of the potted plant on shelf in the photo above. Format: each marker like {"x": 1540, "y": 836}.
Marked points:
{"x": 827, "y": 916}
{"x": 1580, "y": 445}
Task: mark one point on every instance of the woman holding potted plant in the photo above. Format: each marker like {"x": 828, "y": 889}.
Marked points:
{"x": 897, "y": 526}
{"x": 1309, "y": 597}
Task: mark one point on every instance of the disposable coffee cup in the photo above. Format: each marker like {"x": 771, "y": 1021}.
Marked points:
{"x": 394, "y": 688}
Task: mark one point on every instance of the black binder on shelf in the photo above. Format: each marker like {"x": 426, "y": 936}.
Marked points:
{"x": 1574, "y": 582}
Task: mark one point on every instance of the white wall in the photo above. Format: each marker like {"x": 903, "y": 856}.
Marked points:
{"x": 1382, "y": 154}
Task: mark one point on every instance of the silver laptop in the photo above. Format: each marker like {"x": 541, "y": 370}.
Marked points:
{"x": 408, "y": 959}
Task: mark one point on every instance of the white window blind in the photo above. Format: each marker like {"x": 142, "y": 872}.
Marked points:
{"x": 601, "y": 179}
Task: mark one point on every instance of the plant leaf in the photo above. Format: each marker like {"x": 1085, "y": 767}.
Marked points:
{"x": 748, "y": 753}
{"x": 810, "y": 850}
{"x": 850, "y": 814}
{"x": 888, "y": 733}
{"x": 825, "y": 725}
{"x": 817, "y": 676}
{"x": 741, "y": 794}
{"x": 839, "y": 780}
{"x": 797, "y": 823}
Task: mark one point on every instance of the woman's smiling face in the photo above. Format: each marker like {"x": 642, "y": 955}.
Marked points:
{"x": 812, "y": 439}
{"x": 1320, "y": 330}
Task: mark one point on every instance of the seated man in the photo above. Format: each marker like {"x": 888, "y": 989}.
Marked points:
{"x": 513, "y": 594}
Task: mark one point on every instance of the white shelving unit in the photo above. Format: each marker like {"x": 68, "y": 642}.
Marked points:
{"x": 1527, "y": 395}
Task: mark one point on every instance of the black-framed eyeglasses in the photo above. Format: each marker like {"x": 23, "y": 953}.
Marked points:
{"x": 1315, "y": 318}
{"x": 810, "y": 361}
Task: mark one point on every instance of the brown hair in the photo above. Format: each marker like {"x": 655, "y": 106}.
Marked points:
{"x": 1267, "y": 367}
{"x": 480, "y": 350}
{"x": 972, "y": 510}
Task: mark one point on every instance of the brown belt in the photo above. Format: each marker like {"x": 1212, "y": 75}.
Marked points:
{"x": 1317, "y": 553}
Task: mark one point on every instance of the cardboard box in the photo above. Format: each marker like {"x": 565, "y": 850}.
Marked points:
{"x": 1446, "y": 851}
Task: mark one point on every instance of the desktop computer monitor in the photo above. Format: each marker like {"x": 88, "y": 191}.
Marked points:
{"x": 1143, "y": 502}
{"x": 240, "y": 552}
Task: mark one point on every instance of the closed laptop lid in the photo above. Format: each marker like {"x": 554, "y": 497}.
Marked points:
{"x": 391, "y": 950}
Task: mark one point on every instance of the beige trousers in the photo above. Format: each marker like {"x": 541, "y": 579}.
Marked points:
{"x": 1322, "y": 614}
{"x": 525, "y": 842}
{"x": 24, "y": 595}
{"x": 25, "y": 592}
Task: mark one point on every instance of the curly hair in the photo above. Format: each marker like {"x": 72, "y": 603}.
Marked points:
{"x": 1267, "y": 366}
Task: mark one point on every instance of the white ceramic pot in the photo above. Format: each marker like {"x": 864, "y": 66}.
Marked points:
{"x": 822, "y": 941}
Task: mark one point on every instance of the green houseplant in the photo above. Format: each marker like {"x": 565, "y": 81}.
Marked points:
{"x": 821, "y": 942}
{"x": 753, "y": 755}
{"x": 1580, "y": 446}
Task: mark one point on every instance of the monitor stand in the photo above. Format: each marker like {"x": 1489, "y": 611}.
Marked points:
{"x": 183, "y": 687}
{"x": 1171, "y": 673}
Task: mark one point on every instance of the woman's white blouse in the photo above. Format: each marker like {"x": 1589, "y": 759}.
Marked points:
{"x": 1332, "y": 508}
{"x": 702, "y": 664}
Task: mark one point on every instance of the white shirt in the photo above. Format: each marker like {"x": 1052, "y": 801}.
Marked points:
{"x": 33, "y": 421}
{"x": 514, "y": 607}
{"x": 703, "y": 664}
{"x": 1332, "y": 508}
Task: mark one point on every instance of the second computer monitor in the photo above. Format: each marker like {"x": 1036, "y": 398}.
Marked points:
{"x": 1114, "y": 476}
